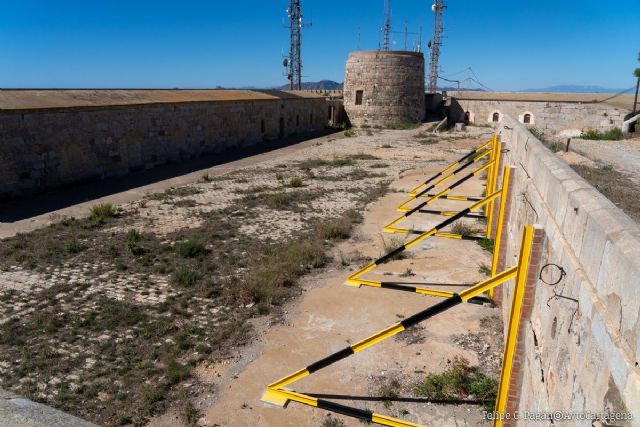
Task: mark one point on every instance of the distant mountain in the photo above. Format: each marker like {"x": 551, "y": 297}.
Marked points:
{"x": 321, "y": 85}
{"x": 575, "y": 89}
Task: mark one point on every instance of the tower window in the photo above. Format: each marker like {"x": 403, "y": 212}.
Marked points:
{"x": 496, "y": 117}
{"x": 527, "y": 118}
{"x": 359, "y": 94}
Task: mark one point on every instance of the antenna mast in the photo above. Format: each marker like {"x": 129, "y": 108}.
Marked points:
{"x": 438, "y": 10}
{"x": 294, "y": 64}
{"x": 387, "y": 25}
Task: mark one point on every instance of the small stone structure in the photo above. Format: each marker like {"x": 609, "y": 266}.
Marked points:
{"x": 384, "y": 88}
{"x": 54, "y": 138}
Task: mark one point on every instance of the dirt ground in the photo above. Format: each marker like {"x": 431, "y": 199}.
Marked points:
{"x": 85, "y": 301}
{"x": 613, "y": 167}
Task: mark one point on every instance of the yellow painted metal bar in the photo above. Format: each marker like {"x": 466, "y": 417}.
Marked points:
{"x": 389, "y": 421}
{"x": 380, "y": 419}
{"x": 488, "y": 284}
{"x": 452, "y": 165}
{"x": 495, "y": 171}
{"x": 282, "y": 382}
{"x": 403, "y": 207}
{"x": 506, "y": 173}
{"x": 444, "y": 179}
{"x": 514, "y": 323}
{"x": 391, "y": 227}
{"x": 376, "y": 338}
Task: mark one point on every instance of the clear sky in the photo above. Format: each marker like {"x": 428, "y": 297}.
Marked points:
{"x": 510, "y": 45}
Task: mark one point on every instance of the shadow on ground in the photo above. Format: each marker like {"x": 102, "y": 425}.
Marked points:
{"x": 39, "y": 204}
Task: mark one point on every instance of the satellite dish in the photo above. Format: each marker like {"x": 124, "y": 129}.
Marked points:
{"x": 433, "y": 7}
{"x": 429, "y": 44}
{"x": 285, "y": 62}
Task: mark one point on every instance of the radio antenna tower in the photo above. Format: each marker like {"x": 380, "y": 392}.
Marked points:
{"x": 438, "y": 10}
{"x": 293, "y": 64}
{"x": 387, "y": 25}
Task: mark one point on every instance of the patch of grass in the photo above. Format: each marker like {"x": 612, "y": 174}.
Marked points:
{"x": 349, "y": 133}
{"x": 429, "y": 141}
{"x": 358, "y": 174}
{"x": 189, "y": 413}
{"x": 296, "y": 182}
{"x": 389, "y": 391}
{"x": 386, "y": 146}
{"x": 329, "y": 421}
{"x": 279, "y": 267}
{"x": 393, "y": 242}
{"x": 615, "y": 186}
{"x": 614, "y": 134}
{"x": 282, "y": 200}
{"x": 379, "y": 165}
{"x": 184, "y": 277}
{"x": 103, "y": 211}
{"x": 483, "y": 269}
{"x": 459, "y": 381}
{"x": 404, "y": 126}
{"x": 362, "y": 156}
{"x": 190, "y": 249}
{"x": 464, "y": 229}
{"x": 486, "y": 244}
{"x": 185, "y": 203}
{"x": 538, "y": 134}
{"x": 338, "y": 228}
{"x": 206, "y": 177}
{"x": 407, "y": 273}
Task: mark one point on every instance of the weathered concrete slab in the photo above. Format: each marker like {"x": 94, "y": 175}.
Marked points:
{"x": 16, "y": 411}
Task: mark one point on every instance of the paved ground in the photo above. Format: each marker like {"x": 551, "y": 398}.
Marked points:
{"x": 623, "y": 155}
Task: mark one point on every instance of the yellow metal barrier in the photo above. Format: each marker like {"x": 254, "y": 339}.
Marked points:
{"x": 514, "y": 323}
{"x": 276, "y": 393}
{"x": 456, "y": 164}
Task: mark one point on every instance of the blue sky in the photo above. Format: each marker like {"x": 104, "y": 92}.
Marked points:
{"x": 510, "y": 45}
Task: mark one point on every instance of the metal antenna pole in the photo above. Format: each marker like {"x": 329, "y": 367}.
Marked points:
{"x": 294, "y": 64}
{"x": 438, "y": 10}
{"x": 387, "y": 25}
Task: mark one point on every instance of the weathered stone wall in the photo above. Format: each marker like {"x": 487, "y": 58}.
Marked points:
{"x": 47, "y": 148}
{"x": 582, "y": 348}
{"x": 553, "y": 118}
{"x": 392, "y": 85}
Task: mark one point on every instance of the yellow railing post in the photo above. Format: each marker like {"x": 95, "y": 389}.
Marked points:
{"x": 514, "y": 324}
{"x": 504, "y": 193}
{"x": 492, "y": 179}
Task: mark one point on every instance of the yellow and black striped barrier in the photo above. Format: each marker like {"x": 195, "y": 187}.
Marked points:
{"x": 492, "y": 167}
{"x": 457, "y": 163}
{"x": 277, "y": 394}
{"x": 488, "y": 200}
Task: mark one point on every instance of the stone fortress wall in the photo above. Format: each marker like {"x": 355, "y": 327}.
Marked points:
{"x": 91, "y": 137}
{"x": 384, "y": 88}
{"x": 580, "y": 342}
{"x": 553, "y": 114}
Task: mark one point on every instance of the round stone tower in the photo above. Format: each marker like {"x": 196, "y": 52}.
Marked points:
{"x": 383, "y": 88}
